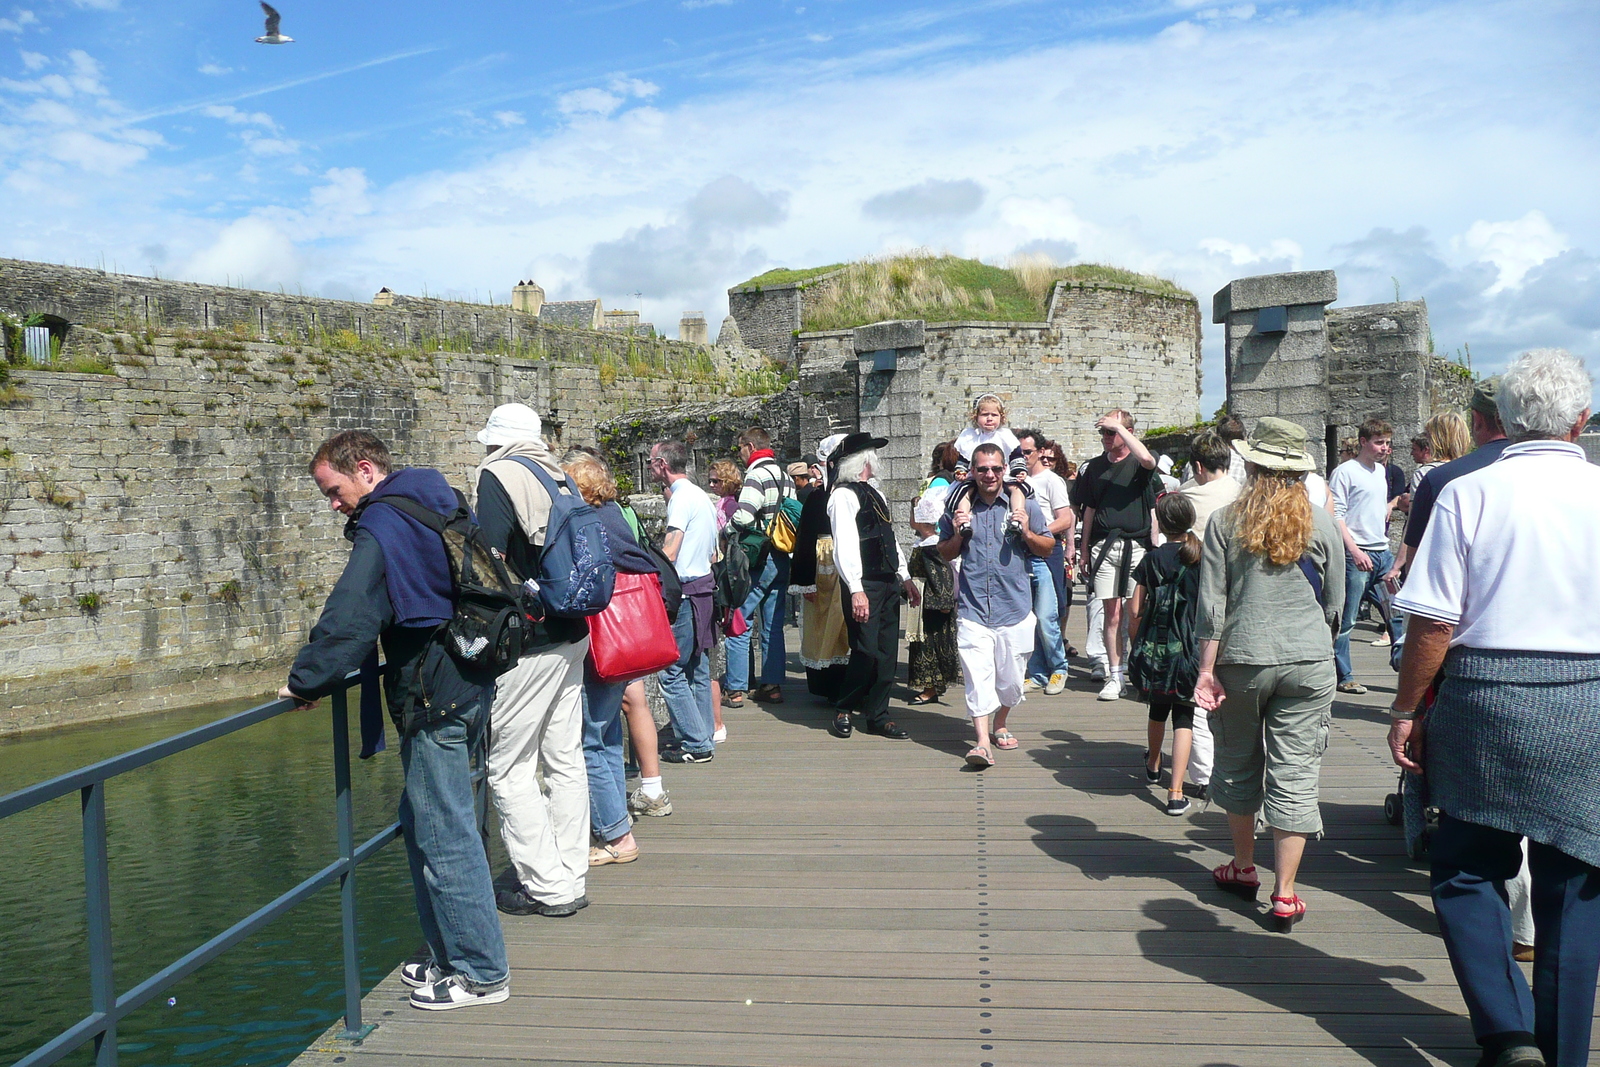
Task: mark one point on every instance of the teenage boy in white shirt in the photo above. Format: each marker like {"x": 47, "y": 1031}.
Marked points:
{"x": 1360, "y": 490}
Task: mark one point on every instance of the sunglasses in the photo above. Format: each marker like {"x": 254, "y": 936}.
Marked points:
{"x": 1030, "y": 451}
{"x": 988, "y": 470}
{"x": 1107, "y": 431}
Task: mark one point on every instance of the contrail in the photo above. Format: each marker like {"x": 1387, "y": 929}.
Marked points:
{"x": 179, "y": 109}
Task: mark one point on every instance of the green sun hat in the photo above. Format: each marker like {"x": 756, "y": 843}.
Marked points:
{"x": 1277, "y": 444}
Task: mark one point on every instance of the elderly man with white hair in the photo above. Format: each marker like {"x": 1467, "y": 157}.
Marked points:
{"x": 1504, "y": 598}
{"x": 873, "y": 580}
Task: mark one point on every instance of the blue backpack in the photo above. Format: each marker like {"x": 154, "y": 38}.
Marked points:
{"x": 576, "y": 574}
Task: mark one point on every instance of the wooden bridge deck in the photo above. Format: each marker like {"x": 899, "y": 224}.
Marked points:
{"x": 818, "y": 901}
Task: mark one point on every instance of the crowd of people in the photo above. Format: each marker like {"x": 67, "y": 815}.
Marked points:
{"x": 1225, "y": 600}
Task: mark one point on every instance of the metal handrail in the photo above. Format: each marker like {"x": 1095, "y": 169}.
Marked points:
{"x": 107, "y": 1007}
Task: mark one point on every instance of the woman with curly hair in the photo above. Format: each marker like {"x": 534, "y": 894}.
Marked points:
{"x": 1271, "y": 589}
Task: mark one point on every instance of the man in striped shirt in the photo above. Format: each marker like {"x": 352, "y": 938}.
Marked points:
{"x": 765, "y": 486}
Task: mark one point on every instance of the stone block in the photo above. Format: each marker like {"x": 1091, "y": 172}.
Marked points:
{"x": 1274, "y": 290}
{"x": 900, "y": 333}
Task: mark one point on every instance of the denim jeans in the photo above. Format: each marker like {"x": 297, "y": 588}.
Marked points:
{"x": 449, "y": 868}
{"x": 686, "y": 687}
{"x": 765, "y": 603}
{"x": 602, "y": 753}
{"x": 1049, "y": 650}
{"x": 1357, "y": 583}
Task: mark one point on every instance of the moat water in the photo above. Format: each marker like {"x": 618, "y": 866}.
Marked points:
{"x": 197, "y": 842}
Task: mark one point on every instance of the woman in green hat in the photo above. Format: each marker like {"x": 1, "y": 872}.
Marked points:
{"x": 1271, "y": 587}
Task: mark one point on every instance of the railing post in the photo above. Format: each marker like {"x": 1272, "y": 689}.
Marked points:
{"x": 97, "y": 901}
{"x": 344, "y": 812}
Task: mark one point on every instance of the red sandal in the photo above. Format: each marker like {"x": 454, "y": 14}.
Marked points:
{"x": 1283, "y": 921}
{"x": 1242, "y": 882}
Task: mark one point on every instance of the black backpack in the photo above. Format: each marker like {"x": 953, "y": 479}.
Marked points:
{"x": 731, "y": 572}
{"x": 491, "y": 620}
{"x": 1162, "y": 662}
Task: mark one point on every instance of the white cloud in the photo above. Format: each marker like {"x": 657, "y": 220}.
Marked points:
{"x": 32, "y": 61}
{"x": 250, "y": 251}
{"x": 588, "y": 101}
{"x": 695, "y": 5}
{"x": 214, "y": 70}
{"x": 636, "y": 87}
{"x": 19, "y": 21}
{"x": 509, "y": 118}
{"x": 1514, "y": 247}
{"x": 234, "y": 117}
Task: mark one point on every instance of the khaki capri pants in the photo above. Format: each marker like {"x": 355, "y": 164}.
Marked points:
{"x": 1271, "y": 732}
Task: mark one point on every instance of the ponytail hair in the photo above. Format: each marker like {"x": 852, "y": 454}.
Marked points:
{"x": 1175, "y": 516}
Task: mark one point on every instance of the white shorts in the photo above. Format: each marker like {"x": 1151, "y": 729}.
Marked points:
{"x": 1105, "y": 575}
{"x": 994, "y": 663}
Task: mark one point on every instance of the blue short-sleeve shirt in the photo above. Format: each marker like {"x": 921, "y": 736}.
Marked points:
{"x": 996, "y": 587}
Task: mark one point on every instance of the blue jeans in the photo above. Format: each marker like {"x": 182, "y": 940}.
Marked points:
{"x": 766, "y": 603}
{"x": 1470, "y": 866}
{"x": 602, "y": 754}
{"x": 1357, "y": 584}
{"x": 449, "y": 868}
{"x": 686, "y": 687}
{"x": 1049, "y": 650}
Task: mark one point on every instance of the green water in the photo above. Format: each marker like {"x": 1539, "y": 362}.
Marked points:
{"x": 197, "y": 842}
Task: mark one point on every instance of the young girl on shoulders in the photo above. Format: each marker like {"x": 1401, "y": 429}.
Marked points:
{"x": 989, "y": 428}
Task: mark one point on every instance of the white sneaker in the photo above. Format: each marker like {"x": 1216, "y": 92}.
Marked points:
{"x": 452, "y": 992}
{"x": 1382, "y": 642}
{"x": 1058, "y": 682}
{"x": 420, "y": 970}
{"x": 1098, "y": 671}
{"x": 1112, "y": 690}
{"x": 1031, "y": 686}
{"x": 719, "y": 735}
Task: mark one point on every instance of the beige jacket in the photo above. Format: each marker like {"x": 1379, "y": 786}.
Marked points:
{"x": 527, "y": 495}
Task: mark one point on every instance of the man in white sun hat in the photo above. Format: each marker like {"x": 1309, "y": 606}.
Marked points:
{"x": 537, "y": 718}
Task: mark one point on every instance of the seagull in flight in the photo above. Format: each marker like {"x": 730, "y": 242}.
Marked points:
{"x": 272, "y": 35}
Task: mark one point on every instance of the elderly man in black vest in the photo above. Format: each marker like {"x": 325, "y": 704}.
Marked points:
{"x": 872, "y": 581}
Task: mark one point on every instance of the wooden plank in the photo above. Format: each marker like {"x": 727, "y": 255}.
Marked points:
{"x": 821, "y": 902}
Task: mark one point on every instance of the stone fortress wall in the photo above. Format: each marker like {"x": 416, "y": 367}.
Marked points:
{"x": 1103, "y": 346}
{"x": 1329, "y": 368}
{"x": 161, "y": 542}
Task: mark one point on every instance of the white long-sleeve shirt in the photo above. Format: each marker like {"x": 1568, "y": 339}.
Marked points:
{"x": 842, "y": 510}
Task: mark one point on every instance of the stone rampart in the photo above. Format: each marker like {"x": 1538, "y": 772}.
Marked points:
{"x": 161, "y": 542}
{"x": 1105, "y": 347}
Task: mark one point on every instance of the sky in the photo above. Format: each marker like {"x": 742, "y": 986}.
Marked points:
{"x": 655, "y": 152}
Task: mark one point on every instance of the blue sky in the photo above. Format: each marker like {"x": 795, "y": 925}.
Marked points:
{"x": 674, "y": 148}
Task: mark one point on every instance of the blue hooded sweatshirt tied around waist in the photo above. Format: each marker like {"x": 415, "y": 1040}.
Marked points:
{"x": 416, "y": 570}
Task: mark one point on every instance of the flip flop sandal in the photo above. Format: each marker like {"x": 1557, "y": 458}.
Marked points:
{"x": 1005, "y": 739}
{"x": 980, "y": 757}
{"x": 921, "y": 699}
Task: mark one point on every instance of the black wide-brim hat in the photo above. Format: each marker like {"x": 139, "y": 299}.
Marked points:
{"x": 852, "y": 445}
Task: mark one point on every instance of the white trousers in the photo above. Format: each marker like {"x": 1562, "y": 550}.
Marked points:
{"x": 994, "y": 663}
{"x": 1519, "y": 894}
{"x": 1094, "y": 644}
{"x": 536, "y": 730}
{"x": 1202, "y": 751}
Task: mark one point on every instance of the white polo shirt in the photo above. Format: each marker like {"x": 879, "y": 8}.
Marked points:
{"x": 1511, "y": 557}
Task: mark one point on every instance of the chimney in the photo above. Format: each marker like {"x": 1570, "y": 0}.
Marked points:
{"x": 692, "y": 328}
{"x": 528, "y": 297}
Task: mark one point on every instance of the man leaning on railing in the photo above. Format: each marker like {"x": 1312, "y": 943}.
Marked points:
{"x": 396, "y": 588}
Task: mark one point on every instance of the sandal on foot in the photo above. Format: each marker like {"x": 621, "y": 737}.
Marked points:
{"x": 1242, "y": 882}
{"x": 980, "y": 757}
{"x": 1286, "y": 911}
{"x": 927, "y": 696}
{"x": 1005, "y": 739}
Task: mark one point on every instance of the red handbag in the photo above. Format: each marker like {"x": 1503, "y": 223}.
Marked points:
{"x": 632, "y": 637}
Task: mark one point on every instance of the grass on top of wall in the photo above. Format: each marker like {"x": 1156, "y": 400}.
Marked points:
{"x": 921, "y": 285}
{"x": 784, "y": 276}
